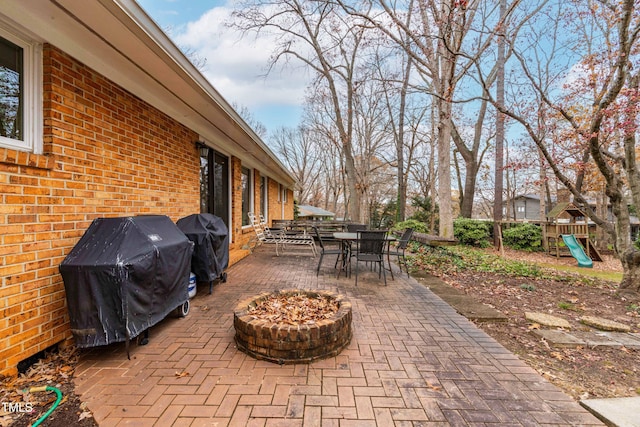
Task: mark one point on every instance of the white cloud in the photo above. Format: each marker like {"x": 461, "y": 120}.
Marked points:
{"x": 236, "y": 66}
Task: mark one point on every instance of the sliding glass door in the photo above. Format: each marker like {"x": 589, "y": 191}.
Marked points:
{"x": 214, "y": 185}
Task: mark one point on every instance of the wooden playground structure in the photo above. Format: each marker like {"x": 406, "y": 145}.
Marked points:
{"x": 567, "y": 219}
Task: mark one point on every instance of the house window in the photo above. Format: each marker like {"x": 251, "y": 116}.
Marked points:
{"x": 246, "y": 195}
{"x": 20, "y": 93}
{"x": 521, "y": 209}
{"x": 284, "y": 194}
{"x": 214, "y": 184}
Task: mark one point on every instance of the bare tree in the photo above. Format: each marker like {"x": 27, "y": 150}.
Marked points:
{"x": 319, "y": 36}
{"x": 472, "y": 156}
{"x": 300, "y": 153}
{"x": 434, "y": 41}
{"x": 258, "y": 127}
{"x": 499, "y": 165}
{"x": 597, "y": 109}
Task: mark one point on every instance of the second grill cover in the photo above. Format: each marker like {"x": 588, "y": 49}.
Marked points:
{"x": 124, "y": 276}
{"x": 211, "y": 244}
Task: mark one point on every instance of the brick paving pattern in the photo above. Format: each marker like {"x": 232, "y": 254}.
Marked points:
{"x": 413, "y": 361}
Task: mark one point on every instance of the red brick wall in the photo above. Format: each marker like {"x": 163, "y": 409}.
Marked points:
{"x": 107, "y": 153}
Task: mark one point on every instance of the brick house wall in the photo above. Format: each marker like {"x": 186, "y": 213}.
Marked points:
{"x": 245, "y": 235}
{"x": 276, "y": 203}
{"x": 106, "y": 153}
{"x": 288, "y": 206}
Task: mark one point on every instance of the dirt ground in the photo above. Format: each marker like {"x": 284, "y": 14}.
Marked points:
{"x": 55, "y": 370}
{"x": 584, "y": 372}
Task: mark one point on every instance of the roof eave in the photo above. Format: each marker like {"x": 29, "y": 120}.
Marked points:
{"x": 119, "y": 40}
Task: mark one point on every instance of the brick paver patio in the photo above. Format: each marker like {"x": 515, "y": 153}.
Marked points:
{"x": 413, "y": 361}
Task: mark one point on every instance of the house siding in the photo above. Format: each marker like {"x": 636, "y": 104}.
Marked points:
{"x": 522, "y": 208}
{"x": 106, "y": 153}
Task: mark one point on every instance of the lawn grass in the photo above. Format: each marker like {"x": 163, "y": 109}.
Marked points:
{"x": 610, "y": 276}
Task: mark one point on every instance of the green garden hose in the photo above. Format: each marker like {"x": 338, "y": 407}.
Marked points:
{"x": 53, "y": 407}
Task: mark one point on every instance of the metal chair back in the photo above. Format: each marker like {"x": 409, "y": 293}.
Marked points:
{"x": 405, "y": 239}
{"x": 371, "y": 248}
{"x": 371, "y": 242}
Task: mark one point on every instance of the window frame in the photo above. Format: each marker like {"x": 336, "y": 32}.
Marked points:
{"x": 264, "y": 197}
{"x": 32, "y": 97}
{"x": 249, "y": 205}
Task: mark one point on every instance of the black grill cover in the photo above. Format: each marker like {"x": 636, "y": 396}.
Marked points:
{"x": 124, "y": 276}
{"x": 211, "y": 244}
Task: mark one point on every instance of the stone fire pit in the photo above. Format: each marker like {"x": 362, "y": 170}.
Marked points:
{"x": 293, "y": 326}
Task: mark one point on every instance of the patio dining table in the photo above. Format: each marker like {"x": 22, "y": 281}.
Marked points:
{"x": 352, "y": 237}
{"x": 346, "y": 240}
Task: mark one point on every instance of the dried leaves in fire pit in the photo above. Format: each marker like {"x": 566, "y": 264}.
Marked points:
{"x": 294, "y": 309}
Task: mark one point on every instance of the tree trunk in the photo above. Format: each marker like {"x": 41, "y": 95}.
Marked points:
{"x": 630, "y": 285}
{"x": 466, "y": 208}
{"x": 471, "y": 165}
{"x": 499, "y": 165}
{"x": 543, "y": 201}
{"x": 602, "y": 239}
{"x": 444, "y": 170}
{"x": 402, "y": 182}
{"x": 432, "y": 187}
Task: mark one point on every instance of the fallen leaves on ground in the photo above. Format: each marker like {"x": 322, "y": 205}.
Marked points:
{"x": 582, "y": 371}
{"x": 294, "y": 309}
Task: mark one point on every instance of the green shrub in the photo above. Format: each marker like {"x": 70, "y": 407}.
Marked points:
{"x": 418, "y": 226}
{"x": 449, "y": 260}
{"x": 472, "y": 232}
{"x": 523, "y": 237}
{"x": 435, "y": 260}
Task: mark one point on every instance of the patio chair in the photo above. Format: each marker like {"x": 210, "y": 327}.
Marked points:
{"x": 370, "y": 248}
{"x": 327, "y": 251}
{"x": 399, "y": 251}
{"x": 260, "y": 226}
{"x": 265, "y": 235}
{"x": 354, "y": 228}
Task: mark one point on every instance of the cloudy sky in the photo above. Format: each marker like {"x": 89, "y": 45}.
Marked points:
{"x": 234, "y": 66}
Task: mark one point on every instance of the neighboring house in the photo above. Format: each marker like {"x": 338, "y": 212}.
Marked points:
{"x": 314, "y": 213}
{"x": 100, "y": 115}
{"x": 523, "y": 207}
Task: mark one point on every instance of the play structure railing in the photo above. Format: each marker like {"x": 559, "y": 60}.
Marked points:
{"x": 575, "y": 229}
